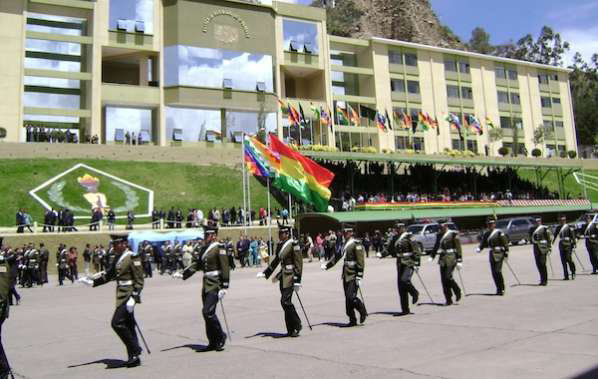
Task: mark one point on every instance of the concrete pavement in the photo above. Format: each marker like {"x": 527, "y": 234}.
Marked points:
{"x": 532, "y": 332}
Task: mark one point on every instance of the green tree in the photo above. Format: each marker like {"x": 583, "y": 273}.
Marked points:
{"x": 584, "y": 95}
{"x": 480, "y": 42}
{"x": 548, "y": 48}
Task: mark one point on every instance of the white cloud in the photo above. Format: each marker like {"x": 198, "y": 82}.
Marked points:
{"x": 132, "y": 120}
{"x": 584, "y": 41}
{"x": 145, "y": 11}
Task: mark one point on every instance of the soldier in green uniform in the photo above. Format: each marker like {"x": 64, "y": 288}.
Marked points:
{"x": 567, "y": 243}
{"x": 591, "y": 237}
{"x": 541, "y": 238}
{"x": 407, "y": 253}
{"x": 450, "y": 255}
{"x": 6, "y": 283}
{"x": 213, "y": 261}
{"x": 127, "y": 271}
{"x": 62, "y": 263}
{"x": 32, "y": 261}
{"x": 44, "y": 256}
{"x": 498, "y": 244}
{"x": 288, "y": 254}
{"x": 352, "y": 275}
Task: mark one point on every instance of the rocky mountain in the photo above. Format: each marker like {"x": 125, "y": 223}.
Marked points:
{"x": 406, "y": 20}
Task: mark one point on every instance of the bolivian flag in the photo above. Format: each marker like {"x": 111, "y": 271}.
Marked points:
{"x": 300, "y": 176}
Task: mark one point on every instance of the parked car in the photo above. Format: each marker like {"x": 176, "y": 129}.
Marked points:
{"x": 516, "y": 229}
{"x": 425, "y": 234}
{"x": 581, "y": 223}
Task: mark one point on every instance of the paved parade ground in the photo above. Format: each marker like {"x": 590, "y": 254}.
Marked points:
{"x": 532, "y": 332}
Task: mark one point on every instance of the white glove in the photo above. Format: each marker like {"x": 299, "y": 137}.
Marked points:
{"x": 359, "y": 282}
{"x": 459, "y": 265}
{"x": 260, "y": 275}
{"x": 221, "y": 294}
{"x": 477, "y": 250}
{"x": 297, "y": 287}
{"x": 177, "y": 275}
{"x": 378, "y": 255}
{"x": 416, "y": 268}
{"x": 130, "y": 305}
{"x": 323, "y": 266}
{"x": 430, "y": 259}
{"x": 86, "y": 281}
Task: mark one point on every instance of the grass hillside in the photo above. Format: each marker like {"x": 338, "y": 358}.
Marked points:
{"x": 572, "y": 188}
{"x": 174, "y": 184}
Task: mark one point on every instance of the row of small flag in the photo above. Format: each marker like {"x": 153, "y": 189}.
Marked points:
{"x": 383, "y": 121}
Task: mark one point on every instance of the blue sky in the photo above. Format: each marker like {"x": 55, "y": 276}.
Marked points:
{"x": 576, "y": 20}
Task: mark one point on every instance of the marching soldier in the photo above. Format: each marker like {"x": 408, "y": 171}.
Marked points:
{"x": 591, "y": 237}
{"x": 567, "y": 243}
{"x": 213, "y": 261}
{"x": 62, "y": 264}
{"x": 127, "y": 271}
{"x": 44, "y": 256}
{"x": 541, "y": 239}
{"x": 450, "y": 255}
{"x": 352, "y": 275}
{"x": 32, "y": 266}
{"x": 6, "y": 283}
{"x": 288, "y": 254}
{"x": 147, "y": 254}
{"x": 402, "y": 247}
{"x": 498, "y": 244}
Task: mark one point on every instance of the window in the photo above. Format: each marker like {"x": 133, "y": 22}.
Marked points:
{"x": 397, "y": 85}
{"x": 512, "y": 74}
{"x": 515, "y": 98}
{"x": 411, "y": 59}
{"x": 204, "y": 67}
{"x": 395, "y": 57}
{"x": 556, "y": 100}
{"x": 472, "y": 146}
{"x": 546, "y": 103}
{"x": 450, "y": 66}
{"x": 500, "y": 73}
{"x": 458, "y": 144}
{"x": 505, "y": 122}
{"x": 548, "y": 125}
{"x": 503, "y": 97}
{"x": 517, "y": 123}
{"x": 466, "y": 93}
{"x": 418, "y": 144}
{"x": 132, "y": 11}
{"x": 401, "y": 142}
{"x": 554, "y": 77}
{"x": 558, "y": 124}
{"x": 464, "y": 67}
{"x": 543, "y": 78}
{"x": 413, "y": 87}
{"x": 131, "y": 120}
{"x": 302, "y": 33}
{"x": 452, "y": 91}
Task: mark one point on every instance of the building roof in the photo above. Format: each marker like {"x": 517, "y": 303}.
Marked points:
{"x": 378, "y": 216}
{"x": 442, "y": 159}
{"x": 469, "y": 54}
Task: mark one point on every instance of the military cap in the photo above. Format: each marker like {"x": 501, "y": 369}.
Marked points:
{"x": 563, "y": 217}
{"x": 399, "y": 225}
{"x": 348, "y": 228}
{"x": 538, "y": 219}
{"x": 210, "y": 230}
{"x": 119, "y": 237}
{"x": 445, "y": 223}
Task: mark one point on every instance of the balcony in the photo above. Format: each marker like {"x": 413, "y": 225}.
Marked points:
{"x": 121, "y": 94}
{"x": 81, "y": 4}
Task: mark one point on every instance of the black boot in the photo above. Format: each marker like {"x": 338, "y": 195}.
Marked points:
{"x": 220, "y": 345}
{"x": 415, "y": 298}
{"x": 133, "y": 361}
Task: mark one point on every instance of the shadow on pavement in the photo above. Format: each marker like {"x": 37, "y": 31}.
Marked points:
{"x": 525, "y": 285}
{"x": 196, "y": 348}
{"x": 591, "y": 374}
{"x": 110, "y": 363}
{"x": 269, "y": 334}
{"x": 481, "y": 294}
{"x": 436, "y": 304}
{"x": 386, "y": 313}
{"x": 335, "y": 324}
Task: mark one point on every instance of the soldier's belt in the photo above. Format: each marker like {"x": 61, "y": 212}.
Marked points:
{"x": 448, "y": 251}
{"x": 122, "y": 283}
{"x": 565, "y": 239}
{"x": 350, "y": 263}
{"x": 212, "y": 273}
{"x": 405, "y": 255}
{"x": 498, "y": 249}
{"x": 32, "y": 261}
{"x": 289, "y": 267}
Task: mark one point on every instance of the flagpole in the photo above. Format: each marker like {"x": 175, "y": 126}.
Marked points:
{"x": 269, "y": 212}
{"x": 244, "y": 182}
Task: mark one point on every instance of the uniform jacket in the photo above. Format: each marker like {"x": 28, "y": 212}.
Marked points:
{"x": 591, "y": 236}
{"x": 541, "y": 237}
{"x": 566, "y": 234}
{"x": 7, "y": 262}
{"x": 497, "y": 242}
{"x": 354, "y": 260}
{"x": 404, "y": 249}
{"x": 288, "y": 254}
{"x": 448, "y": 247}
{"x": 127, "y": 271}
{"x": 213, "y": 261}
